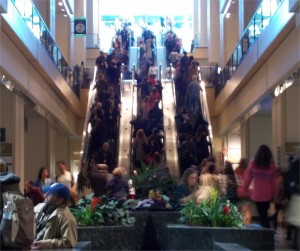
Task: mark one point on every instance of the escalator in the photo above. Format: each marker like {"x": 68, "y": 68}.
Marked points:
{"x": 87, "y": 126}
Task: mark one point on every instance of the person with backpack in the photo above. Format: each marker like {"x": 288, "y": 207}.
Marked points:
{"x": 55, "y": 224}
{"x": 16, "y": 213}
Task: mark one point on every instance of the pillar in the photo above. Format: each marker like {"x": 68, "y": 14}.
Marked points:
{"x": 244, "y": 132}
{"x": 78, "y": 51}
{"x": 241, "y": 17}
{"x": 214, "y": 27}
{"x": 52, "y": 17}
{"x": 278, "y": 128}
{"x": 50, "y": 148}
{"x": 196, "y": 19}
{"x": 17, "y": 118}
{"x": 203, "y": 22}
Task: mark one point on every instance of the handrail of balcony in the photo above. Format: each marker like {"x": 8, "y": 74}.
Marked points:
{"x": 258, "y": 23}
{"x": 37, "y": 25}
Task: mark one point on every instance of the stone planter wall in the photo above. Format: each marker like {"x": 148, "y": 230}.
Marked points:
{"x": 180, "y": 237}
{"x": 158, "y": 231}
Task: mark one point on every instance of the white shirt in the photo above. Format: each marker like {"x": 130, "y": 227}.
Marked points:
{"x": 66, "y": 178}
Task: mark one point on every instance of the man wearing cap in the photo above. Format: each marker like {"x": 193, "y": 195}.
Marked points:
{"x": 55, "y": 224}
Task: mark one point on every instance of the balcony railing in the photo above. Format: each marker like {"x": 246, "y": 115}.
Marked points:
{"x": 258, "y": 23}
{"x": 38, "y": 27}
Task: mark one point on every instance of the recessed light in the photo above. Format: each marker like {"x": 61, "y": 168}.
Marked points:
{"x": 65, "y": 15}
{"x": 63, "y": 10}
{"x": 227, "y": 15}
{"x": 60, "y": 3}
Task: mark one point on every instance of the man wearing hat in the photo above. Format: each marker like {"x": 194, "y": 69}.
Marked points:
{"x": 55, "y": 224}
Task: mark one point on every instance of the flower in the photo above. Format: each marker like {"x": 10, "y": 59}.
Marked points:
{"x": 215, "y": 211}
{"x": 227, "y": 210}
{"x": 95, "y": 201}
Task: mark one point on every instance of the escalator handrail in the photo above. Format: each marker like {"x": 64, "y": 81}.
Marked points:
{"x": 205, "y": 110}
{"x": 86, "y": 130}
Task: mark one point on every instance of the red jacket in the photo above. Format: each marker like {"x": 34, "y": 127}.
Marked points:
{"x": 261, "y": 183}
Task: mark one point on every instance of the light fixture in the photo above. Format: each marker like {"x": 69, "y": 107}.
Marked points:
{"x": 227, "y": 15}
{"x": 63, "y": 10}
{"x": 60, "y": 3}
{"x": 65, "y": 15}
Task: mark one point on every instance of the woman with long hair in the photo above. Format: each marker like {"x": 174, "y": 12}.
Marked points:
{"x": 261, "y": 175}
{"x": 43, "y": 179}
{"x": 187, "y": 186}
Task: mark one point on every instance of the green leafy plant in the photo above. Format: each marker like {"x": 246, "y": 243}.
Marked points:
{"x": 216, "y": 211}
{"x": 147, "y": 178}
{"x": 102, "y": 211}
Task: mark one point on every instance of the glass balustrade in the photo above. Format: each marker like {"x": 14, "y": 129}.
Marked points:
{"x": 38, "y": 27}
{"x": 258, "y": 23}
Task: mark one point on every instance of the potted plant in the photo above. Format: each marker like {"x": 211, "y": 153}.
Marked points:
{"x": 216, "y": 211}
{"x": 215, "y": 220}
{"x": 107, "y": 224}
{"x": 147, "y": 178}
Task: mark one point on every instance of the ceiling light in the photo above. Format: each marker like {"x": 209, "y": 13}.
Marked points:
{"x": 227, "y": 15}
{"x": 60, "y": 3}
{"x": 63, "y": 10}
{"x": 65, "y": 15}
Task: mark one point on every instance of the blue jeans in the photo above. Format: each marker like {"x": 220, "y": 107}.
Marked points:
{"x": 193, "y": 105}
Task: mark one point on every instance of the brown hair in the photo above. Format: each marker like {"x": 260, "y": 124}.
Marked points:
{"x": 189, "y": 171}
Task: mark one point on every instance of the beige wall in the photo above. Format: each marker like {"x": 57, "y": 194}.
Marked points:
{"x": 35, "y": 146}
{"x": 231, "y": 27}
{"x": 260, "y": 132}
{"x": 63, "y": 36}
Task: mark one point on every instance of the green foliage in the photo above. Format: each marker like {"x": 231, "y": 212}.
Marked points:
{"x": 213, "y": 212}
{"x": 93, "y": 211}
{"x": 148, "y": 178}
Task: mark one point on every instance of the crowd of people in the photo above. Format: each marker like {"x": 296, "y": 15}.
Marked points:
{"x": 259, "y": 183}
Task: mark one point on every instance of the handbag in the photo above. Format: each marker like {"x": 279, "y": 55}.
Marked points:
{"x": 272, "y": 209}
{"x": 293, "y": 211}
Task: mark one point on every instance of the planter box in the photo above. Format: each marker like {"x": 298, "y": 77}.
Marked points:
{"x": 155, "y": 232}
{"x": 181, "y": 237}
{"x": 115, "y": 237}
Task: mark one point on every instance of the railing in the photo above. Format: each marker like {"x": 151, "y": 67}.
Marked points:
{"x": 87, "y": 126}
{"x": 34, "y": 21}
{"x": 204, "y": 109}
{"x": 258, "y": 23}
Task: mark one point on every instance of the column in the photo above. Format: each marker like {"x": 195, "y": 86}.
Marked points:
{"x": 203, "y": 23}
{"x": 278, "y": 128}
{"x": 214, "y": 27}
{"x": 50, "y": 157}
{"x": 78, "y": 51}
{"x": 52, "y": 17}
{"x": 196, "y": 19}
{"x": 17, "y": 122}
{"x": 241, "y": 17}
{"x": 244, "y": 132}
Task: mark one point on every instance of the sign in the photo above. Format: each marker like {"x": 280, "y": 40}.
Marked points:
{"x": 5, "y": 149}
{"x": 2, "y": 134}
{"x": 80, "y": 26}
